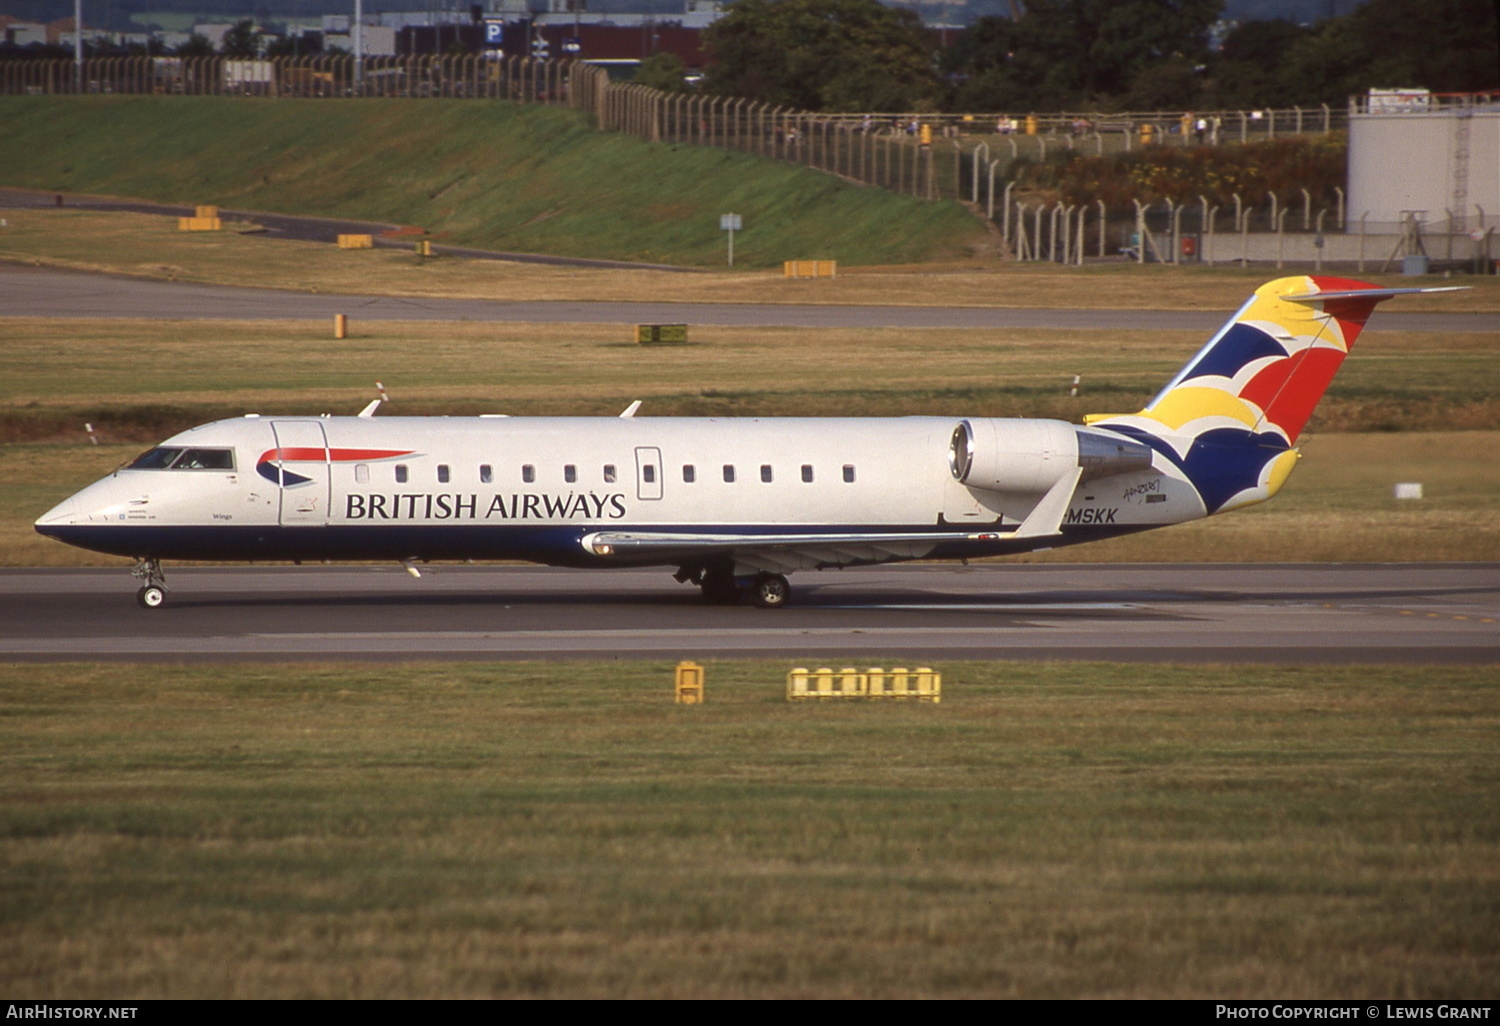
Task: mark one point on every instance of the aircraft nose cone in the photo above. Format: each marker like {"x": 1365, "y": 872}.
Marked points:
{"x": 66, "y": 512}
{"x": 95, "y": 504}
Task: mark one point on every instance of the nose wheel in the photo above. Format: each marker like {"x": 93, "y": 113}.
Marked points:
{"x": 154, "y": 583}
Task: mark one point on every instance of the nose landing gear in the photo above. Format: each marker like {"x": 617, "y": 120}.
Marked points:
{"x": 154, "y": 587}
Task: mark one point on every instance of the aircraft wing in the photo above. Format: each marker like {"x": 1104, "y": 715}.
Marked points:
{"x": 776, "y": 553}
{"x": 783, "y": 553}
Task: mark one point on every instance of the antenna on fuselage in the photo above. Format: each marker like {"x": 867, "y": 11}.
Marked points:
{"x": 630, "y": 410}
{"x": 369, "y": 411}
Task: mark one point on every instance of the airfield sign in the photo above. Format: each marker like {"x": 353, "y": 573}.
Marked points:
{"x": 730, "y": 223}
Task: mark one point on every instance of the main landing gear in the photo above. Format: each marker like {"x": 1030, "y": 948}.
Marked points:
{"x": 722, "y": 588}
{"x": 154, "y": 587}
{"x": 770, "y": 591}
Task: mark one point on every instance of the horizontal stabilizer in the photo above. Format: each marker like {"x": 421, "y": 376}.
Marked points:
{"x": 1313, "y": 297}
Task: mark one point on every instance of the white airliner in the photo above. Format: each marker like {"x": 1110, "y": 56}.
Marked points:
{"x": 733, "y": 504}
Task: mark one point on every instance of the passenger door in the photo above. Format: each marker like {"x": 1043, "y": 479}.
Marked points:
{"x": 302, "y": 459}
{"x": 648, "y": 472}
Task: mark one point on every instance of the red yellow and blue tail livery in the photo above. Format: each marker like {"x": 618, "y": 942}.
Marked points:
{"x": 734, "y": 505}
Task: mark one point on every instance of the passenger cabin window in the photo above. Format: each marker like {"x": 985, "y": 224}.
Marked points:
{"x": 648, "y": 474}
{"x": 689, "y": 475}
{"x": 174, "y": 458}
{"x": 807, "y": 474}
{"x": 486, "y": 475}
{"x": 848, "y": 473}
{"x": 528, "y": 473}
{"x": 362, "y": 473}
{"x": 570, "y": 473}
{"x": 729, "y": 473}
{"x": 609, "y": 473}
{"x": 765, "y": 472}
{"x": 401, "y": 473}
{"x": 442, "y": 473}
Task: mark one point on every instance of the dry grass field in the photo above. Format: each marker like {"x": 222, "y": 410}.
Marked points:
{"x": 150, "y": 246}
{"x": 564, "y": 830}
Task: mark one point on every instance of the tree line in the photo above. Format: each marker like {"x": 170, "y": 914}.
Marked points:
{"x": 859, "y": 55}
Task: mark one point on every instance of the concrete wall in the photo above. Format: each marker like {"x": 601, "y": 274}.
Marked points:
{"x": 1368, "y": 252}
{"x": 1408, "y": 161}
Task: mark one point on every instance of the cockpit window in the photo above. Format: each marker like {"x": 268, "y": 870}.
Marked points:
{"x": 205, "y": 459}
{"x": 156, "y": 459}
{"x": 171, "y": 458}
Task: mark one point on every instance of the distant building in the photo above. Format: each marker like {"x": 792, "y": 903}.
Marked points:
{"x": 213, "y": 32}
{"x": 614, "y": 39}
{"x": 23, "y": 33}
{"x": 1435, "y": 156}
{"x": 378, "y": 41}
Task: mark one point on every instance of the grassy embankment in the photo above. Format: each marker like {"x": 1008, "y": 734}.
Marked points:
{"x": 489, "y": 174}
{"x": 564, "y": 830}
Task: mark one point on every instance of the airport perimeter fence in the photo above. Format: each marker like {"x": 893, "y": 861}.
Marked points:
{"x": 518, "y": 79}
{"x": 931, "y": 156}
{"x": 1277, "y": 233}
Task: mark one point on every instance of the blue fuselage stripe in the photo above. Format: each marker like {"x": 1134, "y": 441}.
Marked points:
{"x": 552, "y": 545}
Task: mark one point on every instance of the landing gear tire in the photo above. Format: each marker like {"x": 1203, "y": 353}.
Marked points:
{"x": 153, "y": 591}
{"x": 770, "y": 591}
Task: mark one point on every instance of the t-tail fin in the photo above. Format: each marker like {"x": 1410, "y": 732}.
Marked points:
{"x": 1229, "y": 419}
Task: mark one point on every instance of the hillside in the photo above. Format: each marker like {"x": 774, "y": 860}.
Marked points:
{"x": 480, "y": 173}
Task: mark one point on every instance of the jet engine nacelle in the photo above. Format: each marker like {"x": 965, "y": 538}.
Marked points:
{"x": 1033, "y": 455}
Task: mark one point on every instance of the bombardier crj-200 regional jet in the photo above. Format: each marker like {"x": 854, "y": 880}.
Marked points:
{"x": 733, "y": 504}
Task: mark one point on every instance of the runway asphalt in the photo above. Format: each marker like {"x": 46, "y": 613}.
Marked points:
{"x": 919, "y": 613}
{"x": 45, "y": 292}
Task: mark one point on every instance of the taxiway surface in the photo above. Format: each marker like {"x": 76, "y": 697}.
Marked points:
{"x": 46, "y": 292}
{"x": 1282, "y": 613}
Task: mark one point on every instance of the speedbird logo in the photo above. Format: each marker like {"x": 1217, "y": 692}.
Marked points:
{"x": 272, "y": 464}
